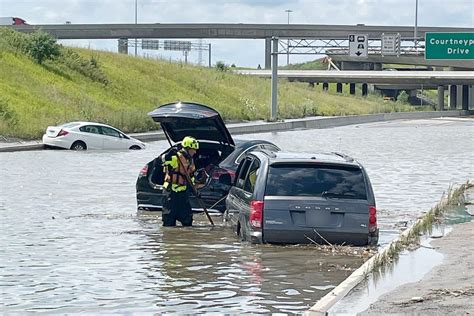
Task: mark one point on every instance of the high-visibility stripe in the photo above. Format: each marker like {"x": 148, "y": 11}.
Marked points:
{"x": 175, "y": 172}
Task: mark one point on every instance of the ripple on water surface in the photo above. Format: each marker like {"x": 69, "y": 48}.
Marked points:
{"x": 72, "y": 241}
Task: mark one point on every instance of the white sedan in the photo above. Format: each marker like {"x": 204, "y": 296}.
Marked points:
{"x": 89, "y": 135}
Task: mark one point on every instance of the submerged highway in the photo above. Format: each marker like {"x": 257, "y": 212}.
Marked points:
{"x": 72, "y": 239}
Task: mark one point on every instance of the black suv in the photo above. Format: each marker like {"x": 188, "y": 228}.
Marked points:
{"x": 216, "y": 160}
{"x": 302, "y": 198}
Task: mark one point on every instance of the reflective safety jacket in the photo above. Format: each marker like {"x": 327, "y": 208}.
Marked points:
{"x": 175, "y": 172}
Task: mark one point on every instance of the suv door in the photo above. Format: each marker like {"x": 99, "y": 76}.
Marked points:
{"x": 240, "y": 197}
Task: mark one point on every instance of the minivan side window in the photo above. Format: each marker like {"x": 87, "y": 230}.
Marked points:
{"x": 252, "y": 176}
{"x": 242, "y": 155}
{"x": 243, "y": 173}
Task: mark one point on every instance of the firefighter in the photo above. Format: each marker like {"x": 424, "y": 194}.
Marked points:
{"x": 176, "y": 204}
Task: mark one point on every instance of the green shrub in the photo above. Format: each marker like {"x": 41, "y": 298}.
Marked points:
{"x": 7, "y": 115}
{"x": 221, "y": 66}
{"x": 42, "y": 47}
{"x": 87, "y": 67}
{"x": 402, "y": 97}
{"x": 13, "y": 41}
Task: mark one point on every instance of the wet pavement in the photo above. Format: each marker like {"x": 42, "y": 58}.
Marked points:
{"x": 73, "y": 242}
{"x": 415, "y": 273}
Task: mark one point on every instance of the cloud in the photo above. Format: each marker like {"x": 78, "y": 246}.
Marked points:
{"x": 348, "y": 12}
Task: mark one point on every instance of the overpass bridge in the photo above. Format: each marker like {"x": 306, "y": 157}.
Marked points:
{"x": 375, "y": 60}
{"x": 329, "y": 36}
{"x": 433, "y": 78}
{"x": 459, "y": 83}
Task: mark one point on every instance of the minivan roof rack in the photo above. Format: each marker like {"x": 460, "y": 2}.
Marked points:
{"x": 346, "y": 157}
{"x": 269, "y": 153}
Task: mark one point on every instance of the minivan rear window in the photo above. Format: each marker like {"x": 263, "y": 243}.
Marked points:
{"x": 316, "y": 180}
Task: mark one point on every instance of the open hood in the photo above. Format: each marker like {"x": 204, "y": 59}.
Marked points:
{"x": 182, "y": 119}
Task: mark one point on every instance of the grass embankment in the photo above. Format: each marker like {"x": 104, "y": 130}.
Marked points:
{"x": 120, "y": 90}
{"x": 310, "y": 65}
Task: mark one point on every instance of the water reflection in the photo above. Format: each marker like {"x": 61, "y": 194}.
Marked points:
{"x": 211, "y": 271}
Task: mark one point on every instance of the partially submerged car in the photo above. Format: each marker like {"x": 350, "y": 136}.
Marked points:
{"x": 216, "y": 160}
{"x": 88, "y": 135}
{"x": 296, "y": 198}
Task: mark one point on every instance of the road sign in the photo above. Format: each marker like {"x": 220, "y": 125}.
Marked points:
{"x": 390, "y": 44}
{"x": 449, "y": 45}
{"x": 177, "y": 45}
{"x": 150, "y": 44}
{"x": 358, "y": 45}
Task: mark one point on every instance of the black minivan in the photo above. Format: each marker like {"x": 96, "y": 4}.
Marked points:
{"x": 282, "y": 197}
{"x": 216, "y": 160}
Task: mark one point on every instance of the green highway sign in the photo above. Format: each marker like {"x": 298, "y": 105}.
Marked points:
{"x": 449, "y": 45}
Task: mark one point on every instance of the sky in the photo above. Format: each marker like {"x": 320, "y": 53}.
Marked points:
{"x": 247, "y": 53}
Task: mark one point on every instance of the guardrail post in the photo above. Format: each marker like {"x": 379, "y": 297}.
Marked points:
{"x": 440, "y": 98}
{"x": 274, "y": 108}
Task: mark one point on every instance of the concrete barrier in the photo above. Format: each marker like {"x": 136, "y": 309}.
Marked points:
{"x": 286, "y": 125}
{"x": 323, "y": 305}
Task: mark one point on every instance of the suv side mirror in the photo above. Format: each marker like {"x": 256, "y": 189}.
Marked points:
{"x": 225, "y": 179}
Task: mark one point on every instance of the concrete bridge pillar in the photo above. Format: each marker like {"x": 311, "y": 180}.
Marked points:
{"x": 453, "y": 95}
{"x": 471, "y": 97}
{"x": 465, "y": 97}
{"x": 339, "y": 87}
{"x": 352, "y": 88}
{"x": 268, "y": 53}
{"x": 364, "y": 89}
{"x": 440, "y": 98}
{"x": 123, "y": 46}
{"x": 325, "y": 86}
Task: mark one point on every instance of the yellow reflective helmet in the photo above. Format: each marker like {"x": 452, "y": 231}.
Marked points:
{"x": 190, "y": 142}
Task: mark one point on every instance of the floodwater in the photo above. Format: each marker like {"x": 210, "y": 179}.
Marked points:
{"x": 72, "y": 240}
{"x": 402, "y": 270}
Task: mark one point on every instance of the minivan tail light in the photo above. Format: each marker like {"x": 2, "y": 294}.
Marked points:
{"x": 62, "y": 133}
{"x": 144, "y": 171}
{"x": 372, "y": 218}
{"x": 256, "y": 214}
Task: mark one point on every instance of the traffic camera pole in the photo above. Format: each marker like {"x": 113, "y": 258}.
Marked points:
{"x": 274, "y": 108}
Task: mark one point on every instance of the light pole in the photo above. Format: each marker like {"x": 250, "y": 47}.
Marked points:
{"x": 416, "y": 26}
{"x": 135, "y": 24}
{"x": 288, "y": 40}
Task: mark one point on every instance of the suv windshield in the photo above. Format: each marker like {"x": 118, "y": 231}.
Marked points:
{"x": 316, "y": 180}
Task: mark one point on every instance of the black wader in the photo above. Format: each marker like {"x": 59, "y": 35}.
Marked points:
{"x": 176, "y": 206}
